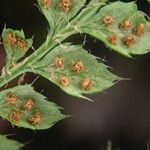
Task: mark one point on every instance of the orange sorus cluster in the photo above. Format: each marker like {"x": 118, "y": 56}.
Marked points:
{"x": 13, "y": 39}
{"x": 59, "y": 62}
{"x": 126, "y": 24}
{"x": 86, "y": 84}
{"x": 113, "y": 39}
{"x": 129, "y": 40}
{"x": 139, "y": 30}
{"x": 29, "y": 103}
{"x": 108, "y": 20}
{"x": 64, "y": 81}
{"x": 47, "y": 3}
{"x": 77, "y": 66}
{"x": 65, "y": 5}
{"x": 15, "y": 116}
{"x": 11, "y": 98}
{"x": 35, "y": 118}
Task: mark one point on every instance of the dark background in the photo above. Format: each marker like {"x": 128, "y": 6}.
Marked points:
{"x": 120, "y": 114}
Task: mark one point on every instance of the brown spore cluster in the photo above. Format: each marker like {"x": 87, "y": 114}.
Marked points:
{"x": 65, "y": 5}
{"x": 77, "y": 66}
{"x": 13, "y": 40}
{"x": 47, "y": 3}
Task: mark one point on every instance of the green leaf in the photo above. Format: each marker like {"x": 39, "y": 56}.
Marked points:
{"x": 75, "y": 71}
{"x": 15, "y": 43}
{"x": 59, "y": 12}
{"x": 24, "y": 107}
{"x": 119, "y": 25}
{"x": 7, "y": 144}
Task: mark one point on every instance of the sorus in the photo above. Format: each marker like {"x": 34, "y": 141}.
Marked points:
{"x": 11, "y": 98}
{"x": 11, "y": 39}
{"x": 15, "y": 116}
{"x": 139, "y": 30}
{"x": 65, "y": 5}
{"x": 64, "y": 81}
{"x": 113, "y": 39}
{"x": 29, "y": 103}
{"x": 47, "y": 3}
{"x": 129, "y": 40}
{"x": 86, "y": 84}
{"x": 78, "y": 66}
{"x": 21, "y": 43}
{"x": 108, "y": 20}
{"x": 126, "y": 24}
{"x": 35, "y": 118}
{"x": 59, "y": 62}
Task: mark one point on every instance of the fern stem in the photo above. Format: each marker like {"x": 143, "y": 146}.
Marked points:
{"x": 26, "y": 65}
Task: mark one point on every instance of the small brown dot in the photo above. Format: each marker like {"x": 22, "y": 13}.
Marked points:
{"x": 11, "y": 39}
{"x": 139, "y": 29}
{"x": 108, "y": 20}
{"x": 113, "y": 39}
{"x": 29, "y": 103}
{"x": 77, "y": 66}
{"x": 47, "y": 3}
{"x": 64, "y": 81}
{"x": 35, "y": 118}
{"x": 86, "y": 84}
{"x": 129, "y": 40}
{"x": 126, "y": 24}
{"x": 59, "y": 62}
{"x": 65, "y": 5}
{"x": 21, "y": 43}
{"x": 15, "y": 116}
{"x": 11, "y": 98}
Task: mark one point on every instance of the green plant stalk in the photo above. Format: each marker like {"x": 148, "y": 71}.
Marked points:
{"x": 26, "y": 65}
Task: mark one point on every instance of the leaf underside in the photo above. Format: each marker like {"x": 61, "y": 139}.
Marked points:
{"x": 15, "y": 43}
{"x": 119, "y": 11}
{"x": 90, "y": 20}
{"x": 58, "y": 14}
{"x": 91, "y": 69}
{"x": 121, "y": 26}
{"x": 24, "y": 107}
